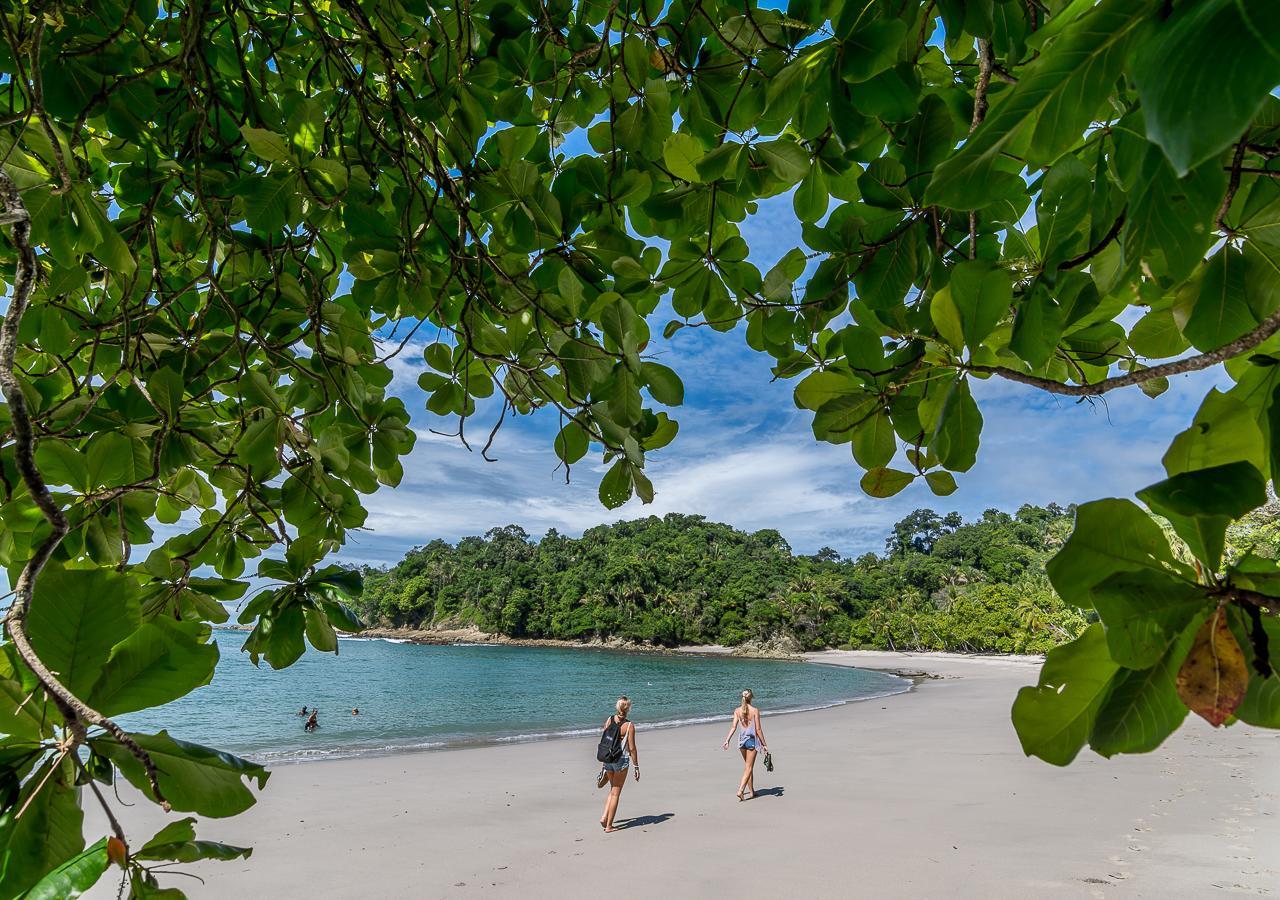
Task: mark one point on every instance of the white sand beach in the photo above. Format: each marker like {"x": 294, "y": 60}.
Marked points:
{"x": 920, "y": 795}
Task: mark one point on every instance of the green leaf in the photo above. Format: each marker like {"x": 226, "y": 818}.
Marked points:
{"x": 1055, "y": 718}
{"x": 681, "y": 153}
{"x": 874, "y": 443}
{"x": 73, "y": 877}
{"x": 837, "y": 417}
{"x": 1229, "y": 298}
{"x": 1201, "y": 504}
{"x": 320, "y": 632}
{"x": 341, "y": 616}
{"x": 1055, "y": 99}
{"x": 983, "y": 296}
{"x": 882, "y": 482}
{"x": 615, "y": 487}
{"x": 1224, "y": 431}
{"x": 1110, "y": 536}
{"x": 76, "y": 617}
{"x": 284, "y": 640}
{"x": 1143, "y": 612}
{"x": 1144, "y": 708}
{"x": 786, "y": 160}
{"x": 812, "y": 197}
{"x": 955, "y": 437}
{"x": 61, "y": 462}
{"x": 346, "y": 581}
{"x": 193, "y": 778}
{"x": 891, "y": 271}
{"x": 943, "y": 484}
{"x": 1157, "y": 336}
{"x": 1261, "y": 704}
{"x": 110, "y": 460}
{"x": 1220, "y": 58}
{"x": 267, "y": 200}
{"x": 871, "y": 49}
{"x": 664, "y": 384}
{"x": 1038, "y": 327}
{"x": 819, "y": 388}
{"x": 266, "y": 144}
{"x": 259, "y": 445}
{"x": 946, "y": 318}
{"x": 622, "y": 395}
{"x": 47, "y": 834}
{"x": 160, "y": 662}
{"x": 571, "y": 443}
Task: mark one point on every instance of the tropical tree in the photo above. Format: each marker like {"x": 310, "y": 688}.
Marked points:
{"x": 223, "y": 221}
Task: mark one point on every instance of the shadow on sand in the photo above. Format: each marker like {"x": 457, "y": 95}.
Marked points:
{"x": 644, "y": 821}
{"x": 769, "y": 792}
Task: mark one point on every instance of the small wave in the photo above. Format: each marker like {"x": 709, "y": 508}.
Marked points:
{"x": 362, "y": 638}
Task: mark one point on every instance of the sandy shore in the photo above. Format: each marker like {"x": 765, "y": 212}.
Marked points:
{"x": 920, "y": 795}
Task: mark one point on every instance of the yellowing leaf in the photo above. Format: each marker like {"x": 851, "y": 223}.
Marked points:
{"x": 1213, "y": 677}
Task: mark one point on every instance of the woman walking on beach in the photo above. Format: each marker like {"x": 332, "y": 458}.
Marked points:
{"x": 620, "y": 754}
{"x": 747, "y": 717}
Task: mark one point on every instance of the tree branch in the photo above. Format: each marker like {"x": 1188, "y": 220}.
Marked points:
{"x": 980, "y": 85}
{"x": 75, "y": 712}
{"x": 1220, "y": 221}
{"x": 1097, "y": 248}
{"x": 1266, "y": 328}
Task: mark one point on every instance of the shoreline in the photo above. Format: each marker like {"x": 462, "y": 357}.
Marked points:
{"x": 925, "y": 796}
{"x": 911, "y": 680}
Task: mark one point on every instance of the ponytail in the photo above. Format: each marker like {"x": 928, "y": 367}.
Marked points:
{"x": 746, "y": 703}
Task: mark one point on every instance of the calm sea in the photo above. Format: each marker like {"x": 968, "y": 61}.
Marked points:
{"x": 413, "y": 696}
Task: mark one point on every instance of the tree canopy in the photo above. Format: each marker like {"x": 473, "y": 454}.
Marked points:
{"x": 977, "y": 587}
{"x": 223, "y": 221}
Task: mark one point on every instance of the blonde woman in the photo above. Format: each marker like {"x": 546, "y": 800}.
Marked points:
{"x": 617, "y": 753}
{"x": 747, "y": 717}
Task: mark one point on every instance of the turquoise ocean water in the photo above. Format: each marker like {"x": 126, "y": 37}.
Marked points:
{"x": 414, "y": 696}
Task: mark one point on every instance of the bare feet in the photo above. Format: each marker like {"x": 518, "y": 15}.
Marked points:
{"x": 610, "y": 830}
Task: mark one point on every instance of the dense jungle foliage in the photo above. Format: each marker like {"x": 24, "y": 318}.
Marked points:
{"x": 941, "y": 584}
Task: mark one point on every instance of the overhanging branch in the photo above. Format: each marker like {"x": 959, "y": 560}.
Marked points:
{"x": 1266, "y": 328}
{"x": 74, "y": 711}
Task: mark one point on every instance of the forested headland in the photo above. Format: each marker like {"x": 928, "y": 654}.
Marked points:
{"x": 940, "y": 584}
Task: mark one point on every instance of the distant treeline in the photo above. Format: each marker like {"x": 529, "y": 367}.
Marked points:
{"x": 941, "y": 584}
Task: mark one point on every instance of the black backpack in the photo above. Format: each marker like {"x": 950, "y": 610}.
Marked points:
{"x": 610, "y": 749}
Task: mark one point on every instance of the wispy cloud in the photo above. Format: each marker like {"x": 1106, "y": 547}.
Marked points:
{"x": 745, "y": 455}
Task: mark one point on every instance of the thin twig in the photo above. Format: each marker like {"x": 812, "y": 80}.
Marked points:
{"x": 1233, "y": 185}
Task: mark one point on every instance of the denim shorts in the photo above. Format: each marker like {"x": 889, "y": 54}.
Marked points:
{"x": 619, "y": 766}
{"x": 748, "y": 744}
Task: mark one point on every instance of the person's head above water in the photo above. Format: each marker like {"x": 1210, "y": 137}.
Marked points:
{"x": 623, "y": 706}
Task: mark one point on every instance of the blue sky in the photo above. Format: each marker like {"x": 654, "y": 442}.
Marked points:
{"x": 746, "y": 455}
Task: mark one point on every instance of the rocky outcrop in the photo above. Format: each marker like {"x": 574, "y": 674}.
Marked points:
{"x": 472, "y": 635}
{"x": 778, "y": 646}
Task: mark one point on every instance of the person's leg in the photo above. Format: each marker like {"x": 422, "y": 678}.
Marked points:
{"x": 746, "y": 770}
{"x": 608, "y": 798}
{"x": 616, "y": 781}
{"x": 750, "y": 779}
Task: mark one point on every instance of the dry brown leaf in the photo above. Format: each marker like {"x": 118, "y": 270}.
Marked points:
{"x": 1213, "y": 677}
{"x": 117, "y": 852}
